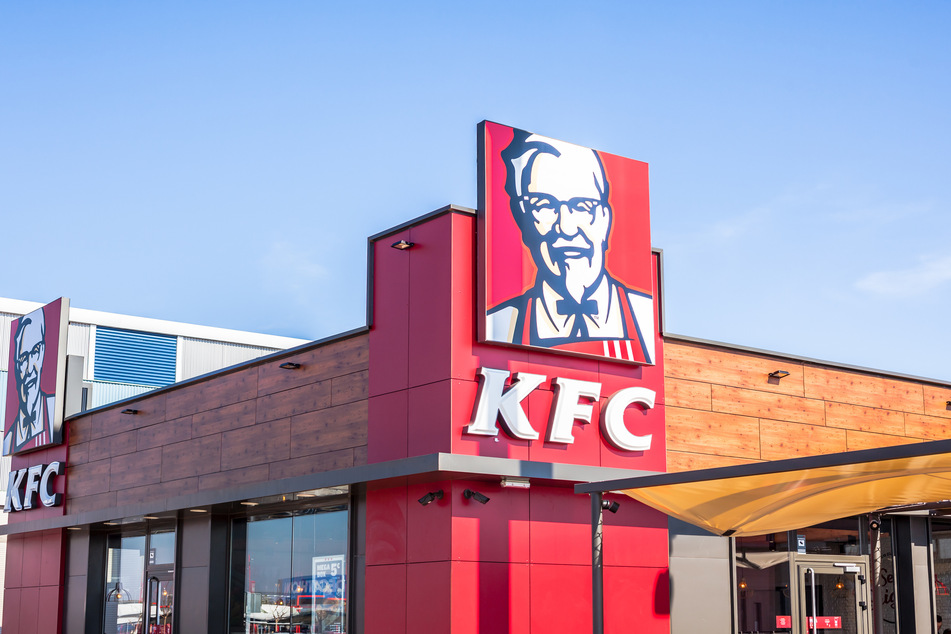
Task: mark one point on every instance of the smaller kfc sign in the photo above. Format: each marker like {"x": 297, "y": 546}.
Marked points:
{"x": 574, "y": 400}
{"x": 36, "y": 379}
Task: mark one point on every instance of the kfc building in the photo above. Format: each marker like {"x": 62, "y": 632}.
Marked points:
{"x": 512, "y": 444}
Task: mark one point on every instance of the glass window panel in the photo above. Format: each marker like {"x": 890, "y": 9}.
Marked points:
{"x": 163, "y": 543}
{"x": 125, "y": 570}
{"x": 290, "y": 572}
{"x": 762, "y": 577}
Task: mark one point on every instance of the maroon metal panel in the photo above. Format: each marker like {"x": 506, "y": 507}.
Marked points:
{"x": 389, "y": 343}
{"x": 430, "y": 294}
{"x": 429, "y": 409}
{"x": 490, "y": 597}
{"x": 385, "y": 588}
{"x": 496, "y": 531}
{"x": 428, "y": 600}
{"x": 11, "y": 610}
{"x": 387, "y": 427}
{"x": 429, "y": 528}
{"x": 386, "y": 526}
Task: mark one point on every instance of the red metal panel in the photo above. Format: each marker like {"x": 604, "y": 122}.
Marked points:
{"x": 634, "y": 536}
{"x": 386, "y": 427}
{"x": 561, "y": 527}
{"x": 429, "y": 528}
{"x": 50, "y": 609}
{"x": 385, "y": 610}
{"x": 51, "y": 567}
{"x": 389, "y": 346}
{"x": 496, "y": 531}
{"x": 32, "y": 560}
{"x": 429, "y": 408}
{"x": 30, "y": 609}
{"x": 11, "y": 610}
{"x": 430, "y": 293}
{"x": 490, "y": 597}
{"x": 386, "y": 526}
{"x": 12, "y": 576}
{"x": 561, "y": 598}
{"x": 636, "y": 596}
{"x": 428, "y": 604}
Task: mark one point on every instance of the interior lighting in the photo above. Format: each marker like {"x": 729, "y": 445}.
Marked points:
{"x": 742, "y": 583}
{"x": 469, "y": 494}
{"x": 516, "y": 483}
{"x": 402, "y": 245}
{"x": 198, "y": 510}
{"x": 430, "y": 497}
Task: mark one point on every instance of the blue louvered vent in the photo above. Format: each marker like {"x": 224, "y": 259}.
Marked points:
{"x": 127, "y": 356}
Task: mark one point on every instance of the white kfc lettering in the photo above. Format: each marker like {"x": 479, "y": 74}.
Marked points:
{"x": 574, "y": 400}
{"x": 25, "y": 485}
{"x": 493, "y": 404}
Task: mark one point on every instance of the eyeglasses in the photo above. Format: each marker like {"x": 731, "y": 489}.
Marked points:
{"x": 33, "y": 355}
{"x": 538, "y": 203}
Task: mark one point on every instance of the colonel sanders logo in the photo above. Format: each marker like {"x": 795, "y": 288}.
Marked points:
{"x": 560, "y": 198}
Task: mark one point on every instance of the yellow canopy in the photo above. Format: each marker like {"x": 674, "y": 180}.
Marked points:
{"x": 771, "y": 497}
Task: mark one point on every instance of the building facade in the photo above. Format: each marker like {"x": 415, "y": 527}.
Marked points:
{"x": 419, "y": 474}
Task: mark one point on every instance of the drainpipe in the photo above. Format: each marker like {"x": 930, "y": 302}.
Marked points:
{"x": 597, "y": 571}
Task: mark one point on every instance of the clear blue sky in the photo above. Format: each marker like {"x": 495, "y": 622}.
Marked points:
{"x": 223, "y": 163}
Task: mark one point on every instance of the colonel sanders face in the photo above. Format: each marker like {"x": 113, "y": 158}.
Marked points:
{"x": 559, "y": 198}
{"x": 30, "y": 352}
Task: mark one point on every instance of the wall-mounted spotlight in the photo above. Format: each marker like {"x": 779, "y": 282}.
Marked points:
{"x": 778, "y": 374}
{"x": 289, "y": 365}
{"x": 948, "y": 405}
{"x": 516, "y": 483}
{"x": 130, "y": 411}
{"x": 874, "y": 525}
{"x": 431, "y": 496}
{"x": 469, "y": 494}
{"x": 608, "y": 505}
{"x": 402, "y": 245}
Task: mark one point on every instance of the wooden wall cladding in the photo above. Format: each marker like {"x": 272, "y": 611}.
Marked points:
{"x": 723, "y": 409}
{"x": 254, "y": 424}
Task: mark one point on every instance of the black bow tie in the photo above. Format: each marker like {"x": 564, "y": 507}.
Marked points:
{"x": 569, "y": 307}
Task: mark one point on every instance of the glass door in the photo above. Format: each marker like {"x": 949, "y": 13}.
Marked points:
{"x": 159, "y": 598}
{"x": 832, "y": 596}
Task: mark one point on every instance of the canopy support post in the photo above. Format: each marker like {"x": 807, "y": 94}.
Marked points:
{"x": 597, "y": 570}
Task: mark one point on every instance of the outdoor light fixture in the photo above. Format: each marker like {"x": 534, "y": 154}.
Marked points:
{"x": 948, "y": 404}
{"x": 516, "y": 483}
{"x": 130, "y": 411}
{"x": 608, "y": 505}
{"x": 429, "y": 497}
{"x": 402, "y": 245}
{"x": 469, "y": 494}
{"x": 778, "y": 374}
{"x": 290, "y": 365}
{"x": 874, "y": 525}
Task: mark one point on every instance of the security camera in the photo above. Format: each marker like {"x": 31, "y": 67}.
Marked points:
{"x": 429, "y": 497}
{"x": 469, "y": 494}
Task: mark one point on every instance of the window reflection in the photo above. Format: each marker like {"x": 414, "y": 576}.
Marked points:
{"x": 289, "y": 572}
{"x": 125, "y": 567}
